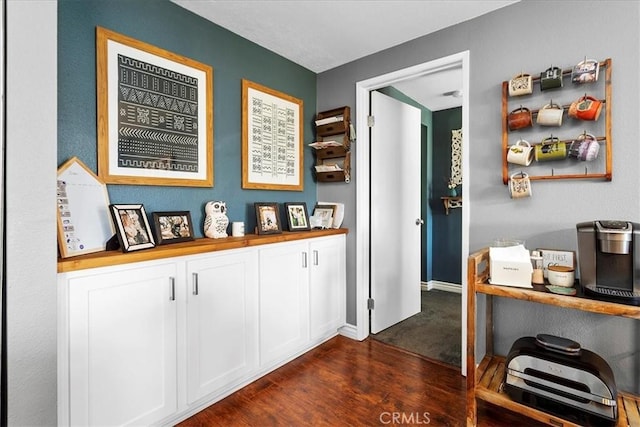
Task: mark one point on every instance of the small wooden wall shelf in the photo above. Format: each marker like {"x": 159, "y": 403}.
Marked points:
{"x": 451, "y": 202}
{"x": 485, "y": 382}
{"x": 340, "y": 125}
{"x": 576, "y": 90}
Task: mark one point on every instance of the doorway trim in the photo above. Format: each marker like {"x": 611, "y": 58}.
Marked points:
{"x": 363, "y": 193}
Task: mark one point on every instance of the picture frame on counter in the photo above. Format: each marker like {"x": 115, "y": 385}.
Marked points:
{"x": 82, "y": 200}
{"x": 268, "y": 218}
{"x": 155, "y": 114}
{"x": 297, "y": 216}
{"x": 173, "y": 227}
{"x": 132, "y": 227}
{"x": 323, "y": 214}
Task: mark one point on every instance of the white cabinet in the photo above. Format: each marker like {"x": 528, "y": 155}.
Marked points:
{"x": 302, "y": 294}
{"x": 327, "y": 286}
{"x": 284, "y": 300}
{"x": 151, "y": 342}
{"x": 222, "y": 321}
{"x": 122, "y": 345}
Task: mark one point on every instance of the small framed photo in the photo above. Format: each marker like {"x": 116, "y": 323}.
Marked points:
{"x": 172, "y": 227}
{"x": 324, "y": 214}
{"x": 297, "y": 216}
{"x": 132, "y": 227}
{"x": 268, "y": 218}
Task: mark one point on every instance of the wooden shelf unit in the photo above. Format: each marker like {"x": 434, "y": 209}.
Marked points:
{"x": 340, "y": 154}
{"x": 605, "y": 139}
{"x": 485, "y": 381}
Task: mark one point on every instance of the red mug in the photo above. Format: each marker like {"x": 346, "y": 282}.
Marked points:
{"x": 586, "y": 108}
{"x": 519, "y": 118}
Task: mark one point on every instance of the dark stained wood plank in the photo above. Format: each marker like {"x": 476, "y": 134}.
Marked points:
{"x": 350, "y": 383}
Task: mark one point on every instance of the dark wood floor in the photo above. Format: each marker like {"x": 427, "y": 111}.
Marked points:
{"x": 350, "y": 383}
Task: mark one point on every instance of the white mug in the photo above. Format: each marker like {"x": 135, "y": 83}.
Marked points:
{"x": 521, "y": 153}
{"x": 519, "y": 185}
{"x": 237, "y": 229}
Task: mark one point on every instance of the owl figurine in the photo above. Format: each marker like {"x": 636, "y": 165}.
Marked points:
{"x": 216, "y": 221}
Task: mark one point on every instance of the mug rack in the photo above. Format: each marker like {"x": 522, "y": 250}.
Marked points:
{"x": 575, "y": 90}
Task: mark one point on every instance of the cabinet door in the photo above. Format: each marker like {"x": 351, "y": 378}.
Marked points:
{"x": 327, "y": 286}
{"x": 284, "y": 301}
{"x": 222, "y": 321}
{"x": 122, "y": 346}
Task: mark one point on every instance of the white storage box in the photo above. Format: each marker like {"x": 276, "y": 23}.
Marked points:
{"x": 510, "y": 266}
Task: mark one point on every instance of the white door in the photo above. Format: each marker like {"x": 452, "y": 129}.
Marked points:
{"x": 326, "y": 286}
{"x": 222, "y": 321}
{"x": 283, "y": 301}
{"x": 395, "y": 211}
{"x": 122, "y": 346}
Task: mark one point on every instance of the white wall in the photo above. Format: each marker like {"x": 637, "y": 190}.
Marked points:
{"x": 31, "y": 147}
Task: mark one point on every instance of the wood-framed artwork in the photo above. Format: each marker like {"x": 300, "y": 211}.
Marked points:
{"x": 132, "y": 227}
{"x": 82, "y": 201}
{"x": 272, "y": 139}
{"x": 172, "y": 227}
{"x": 324, "y": 214}
{"x": 297, "y": 216}
{"x": 155, "y": 114}
{"x": 268, "y": 218}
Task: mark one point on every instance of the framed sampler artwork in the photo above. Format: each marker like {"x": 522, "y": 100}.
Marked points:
{"x": 268, "y": 218}
{"x": 155, "y": 114}
{"x": 172, "y": 227}
{"x": 272, "y": 139}
{"x": 132, "y": 227}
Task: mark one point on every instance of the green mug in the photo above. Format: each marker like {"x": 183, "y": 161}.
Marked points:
{"x": 551, "y": 149}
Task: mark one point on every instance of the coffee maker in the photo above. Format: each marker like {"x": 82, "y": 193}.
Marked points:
{"x": 609, "y": 260}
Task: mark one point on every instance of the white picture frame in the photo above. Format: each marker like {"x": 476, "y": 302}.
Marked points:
{"x": 82, "y": 204}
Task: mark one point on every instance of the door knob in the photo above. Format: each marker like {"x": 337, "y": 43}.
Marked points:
{"x": 419, "y": 221}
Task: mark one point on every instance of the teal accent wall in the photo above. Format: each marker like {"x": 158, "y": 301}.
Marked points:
{"x": 447, "y": 229}
{"x": 170, "y": 27}
{"x": 426, "y": 154}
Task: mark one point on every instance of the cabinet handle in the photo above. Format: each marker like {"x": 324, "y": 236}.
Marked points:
{"x": 304, "y": 260}
{"x": 195, "y": 284}
{"x": 172, "y": 293}
{"x": 315, "y": 257}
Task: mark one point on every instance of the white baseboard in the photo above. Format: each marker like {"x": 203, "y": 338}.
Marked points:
{"x": 349, "y": 331}
{"x": 442, "y": 286}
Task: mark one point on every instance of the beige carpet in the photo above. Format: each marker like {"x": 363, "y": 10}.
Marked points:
{"x": 435, "y": 332}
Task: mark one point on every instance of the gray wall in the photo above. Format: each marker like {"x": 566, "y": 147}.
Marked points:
{"x": 526, "y": 36}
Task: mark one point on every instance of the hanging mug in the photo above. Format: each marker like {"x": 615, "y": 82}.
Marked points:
{"x": 551, "y": 78}
{"x": 519, "y": 185}
{"x": 585, "y": 147}
{"x": 550, "y": 115}
{"x": 589, "y": 108}
{"x": 551, "y": 148}
{"x": 519, "y": 118}
{"x": 521, "y": 153}
{"x": 585, "y": 71}
{"x": 585, "y": 108}
{"x": 521, "y": 84}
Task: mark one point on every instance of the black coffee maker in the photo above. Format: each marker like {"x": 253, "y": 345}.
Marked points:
{"x": 609, "y": 260}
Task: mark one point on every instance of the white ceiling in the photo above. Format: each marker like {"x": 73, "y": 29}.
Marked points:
{"x": 324, "y": 34}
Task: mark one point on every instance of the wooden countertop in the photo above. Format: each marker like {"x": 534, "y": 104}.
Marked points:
{"x": 197, "y": 246}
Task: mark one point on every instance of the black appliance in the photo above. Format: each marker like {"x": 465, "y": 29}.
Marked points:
{"x": 557, "y": 376}
{"x": 609, "y": 260}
